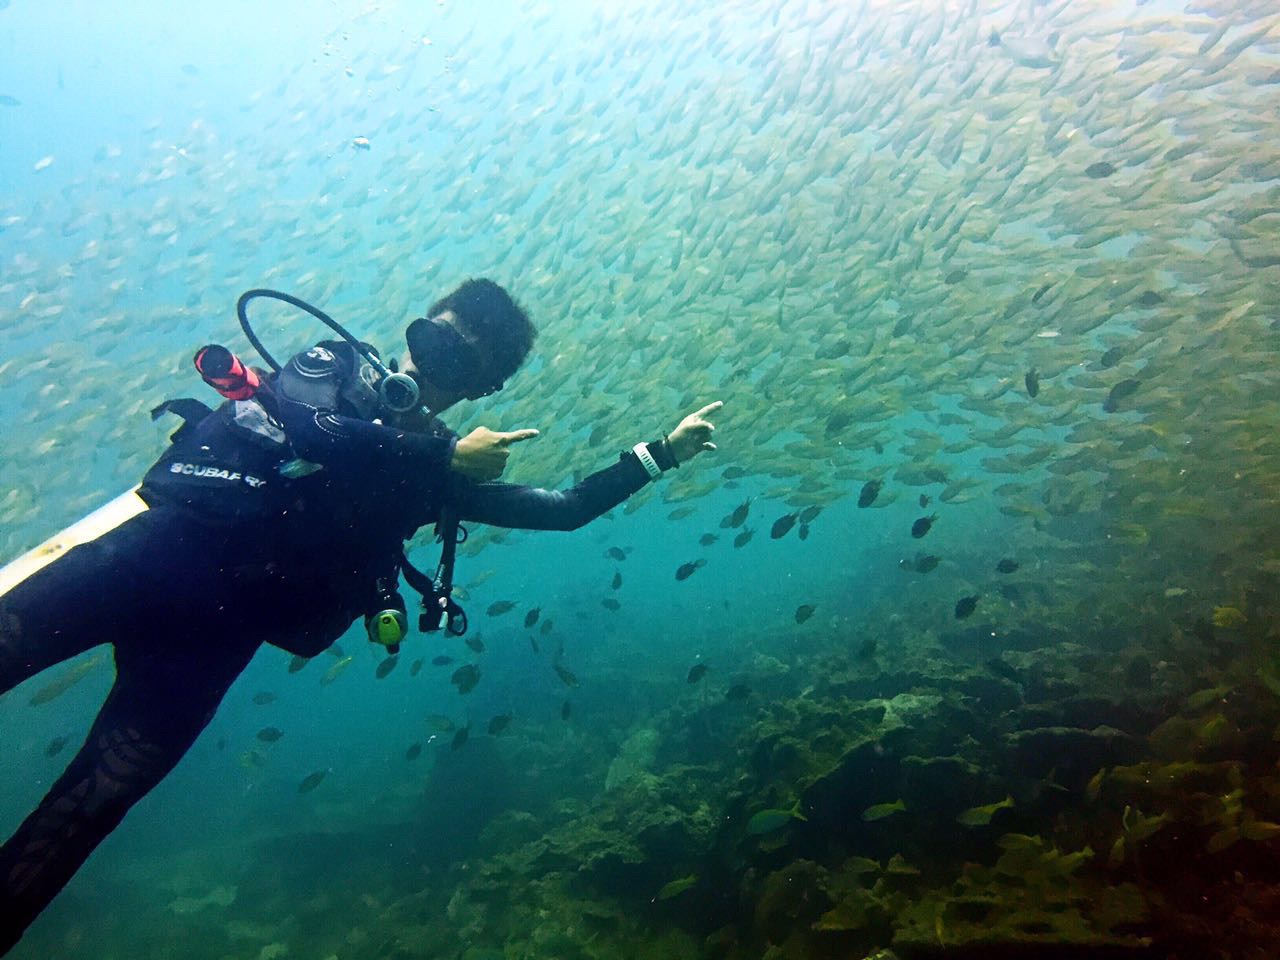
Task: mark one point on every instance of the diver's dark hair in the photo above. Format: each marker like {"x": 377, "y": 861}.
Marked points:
{"x": 488, "y": 311}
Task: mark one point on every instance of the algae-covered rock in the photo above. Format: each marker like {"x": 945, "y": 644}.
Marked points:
{"x": 985, "y": 913}
{"x": 791, "y": 898}
{"x": 1073, "y": 751}
{"x": 509, "y": 830}
{"x": 635, "y": 758}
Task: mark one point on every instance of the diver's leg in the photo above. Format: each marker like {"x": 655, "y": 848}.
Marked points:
{"x": 160, "y": 702}
{"x": 79, "y": 601}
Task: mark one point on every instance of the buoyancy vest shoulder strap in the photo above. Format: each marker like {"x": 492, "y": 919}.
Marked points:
{"x": 191, "y": 410}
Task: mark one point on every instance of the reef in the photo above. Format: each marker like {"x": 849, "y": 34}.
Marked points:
{"x": 1037, "y": 804}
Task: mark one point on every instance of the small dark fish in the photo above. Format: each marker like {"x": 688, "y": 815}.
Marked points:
{"x": 834, "y": 351}
{"x": 1032, "y": 380}
{"x": 499, "y": 607}
{"x": 386, "y": 666}
{"x": 738, "y": 517}
{"x": 441, "y": 661}
{"x": 1149, "y": 299}
{"x": 531, "y": 617}
{"x": 190, "y": 69}
{"x": 263, "y": 698}
{"x": 465, "y": 678}
{"x": 270, "y": 734}
{"x": 1123, "y": 389}
{"x": 566, "y": 676}
{"x": 966, "y": 606}
{"x": 809, "y": 514}
{"x": 611, "y": 604}
{"x": 867, "y": 649}
{"x": 1002, "y": 669}
{"x": 55, "y": 746}
{"x": 616, "y": 582}
{"x": 926, "y": 562}
{"x": 546, "y": 628}
{"x": 836, "y": 424}
{"x": 415, "y": 667}
{"x": 499, "y": 723}
{"x": 782, "y": 526}
{"x": 615, "y": 553}
{"x": 1100, "y": 170}
{"x": 475, "y": 643}
{"x": 311, "y": 781}
{"x": 566, "y": 710}
{"x": 533, "y": 644}
{"x": 743, "y": 538}
{"x": 878, "y": 447}
{"x": 804, "y": 531}
{"x": 686, "y": 570}
{"x": 697, "y": 672}
{"x": 903, "y": 325}
{"x": 804, "y": 612}
{"x": 1036, "y": 297}
{"x": 737, "y": 693}
{"x": 1111, "y": 357}
{"x": 1006, "y": 566}
{"x": 296, "y": 663}
{"x": 707, "y": 539}
{"x": 870, "y": 490}
{"x": 955, "y": 276}
{"x": 921, "y": 526}
{"x": 414, "y": 752}
{"x": 460, "y": 737}
{"x": 924, "y": 500}
{"x": 8, "y": 101}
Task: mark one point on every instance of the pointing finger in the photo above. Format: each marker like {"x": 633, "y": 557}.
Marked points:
{"x": 515, "y": 436}
{"x": 710, "y": 408}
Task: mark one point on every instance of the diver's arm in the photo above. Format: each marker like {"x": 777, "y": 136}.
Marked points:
{"x": 325, "y": 437}
{"x": 533, "y": 508}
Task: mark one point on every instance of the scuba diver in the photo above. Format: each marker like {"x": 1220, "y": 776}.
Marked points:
{"x": 277, "y": 518}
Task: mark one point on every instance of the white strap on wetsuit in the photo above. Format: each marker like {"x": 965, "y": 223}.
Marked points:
{"x": 646, "y": 460}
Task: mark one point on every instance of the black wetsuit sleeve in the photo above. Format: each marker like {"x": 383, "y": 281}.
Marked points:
{"x": 311, "y": 409}
{"x": 329, "y": 438}
{"x": 533, "y": 508}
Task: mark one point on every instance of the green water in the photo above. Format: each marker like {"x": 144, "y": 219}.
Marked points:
{"x": 1015, "y": 262}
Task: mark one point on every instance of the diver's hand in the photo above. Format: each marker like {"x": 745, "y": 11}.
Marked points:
{"x": 693, "y": 435}
{"x": 482, "y": 454}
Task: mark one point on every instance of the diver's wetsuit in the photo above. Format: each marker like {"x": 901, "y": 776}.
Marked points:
{"x": 188, "y": 590}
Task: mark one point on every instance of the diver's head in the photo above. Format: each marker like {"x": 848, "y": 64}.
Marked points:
{"x": 468, "y": 344}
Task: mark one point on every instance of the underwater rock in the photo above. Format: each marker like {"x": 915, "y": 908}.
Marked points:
{"x": 1035, "y": 752}
{"x": 635, "y": 758}
{"x": 510, "y": 830}
{"x": 857, "y": 923}
{"x": 1126, "y": 711}
{"x": 941, "y": 785}
{"x": 984, "y": 914}
{"x": 791, "y": 899}
{"x": 221, "y": 897}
